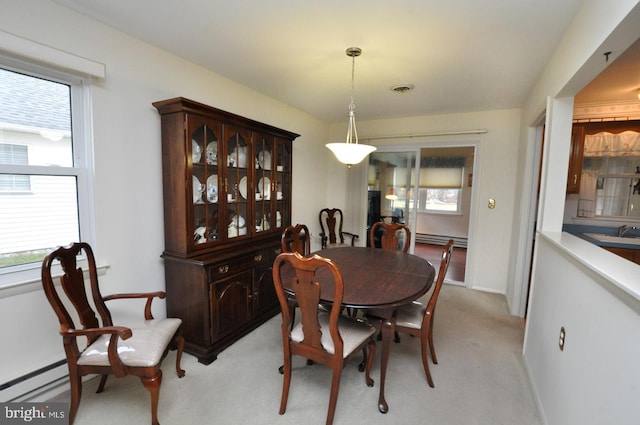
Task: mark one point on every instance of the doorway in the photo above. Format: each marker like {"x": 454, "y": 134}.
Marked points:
{"x": 429, "y": 190}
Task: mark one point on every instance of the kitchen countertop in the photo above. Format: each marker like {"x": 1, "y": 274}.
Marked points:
{"x": 579, "y": 230}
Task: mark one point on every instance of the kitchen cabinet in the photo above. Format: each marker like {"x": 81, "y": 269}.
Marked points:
{"x": 629, "y": 254}
{"x": 575, "y": 158}
{"x": 227, "y": 198}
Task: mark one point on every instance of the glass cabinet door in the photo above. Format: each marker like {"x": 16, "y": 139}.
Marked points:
{"x": 264, "y": 183}
{"x": 203, "y": 149}
{"x": 283, "y": 183}
{"x": 237, "y": 184}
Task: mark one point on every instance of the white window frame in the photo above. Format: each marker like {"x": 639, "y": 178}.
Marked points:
{"x": 82, "y": 170}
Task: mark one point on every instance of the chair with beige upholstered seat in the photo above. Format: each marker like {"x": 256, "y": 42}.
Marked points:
{"x": 110, "y": 350}
{"x": 393, "y": 237}
{"x": 326, "y": 337}
{"x": 417, "y": 319}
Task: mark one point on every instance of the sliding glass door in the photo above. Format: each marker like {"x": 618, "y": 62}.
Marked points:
{"x": 390, "y": 187}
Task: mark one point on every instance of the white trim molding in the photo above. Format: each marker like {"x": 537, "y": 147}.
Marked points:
{"x": 25, "y": 48}
{"x": 607, "y": 111}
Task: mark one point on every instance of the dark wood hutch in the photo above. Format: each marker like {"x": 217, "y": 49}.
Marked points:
{"x": 227, "y": 197}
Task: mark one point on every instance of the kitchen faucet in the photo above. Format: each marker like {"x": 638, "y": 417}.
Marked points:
{"x": 624, "y": 229}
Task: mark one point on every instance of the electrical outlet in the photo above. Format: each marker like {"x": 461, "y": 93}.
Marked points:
{"x": 561, "y": 339}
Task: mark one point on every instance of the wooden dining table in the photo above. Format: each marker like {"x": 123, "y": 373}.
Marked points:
{"x": 380, "y": 279}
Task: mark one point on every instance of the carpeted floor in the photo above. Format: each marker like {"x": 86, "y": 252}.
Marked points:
{"x": 480, "y": 379}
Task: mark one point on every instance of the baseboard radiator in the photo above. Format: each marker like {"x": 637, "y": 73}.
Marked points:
{"x": 458, "y": 242}
{"x": 35, "y": 386}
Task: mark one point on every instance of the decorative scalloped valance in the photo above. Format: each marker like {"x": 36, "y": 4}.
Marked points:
{"x": 626, "y": 143}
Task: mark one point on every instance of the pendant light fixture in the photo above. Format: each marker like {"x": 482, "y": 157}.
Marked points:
{"x": 351, "y": 152}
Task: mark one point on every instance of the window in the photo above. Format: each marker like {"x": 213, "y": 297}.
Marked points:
{"x": 45, "y": 199}
{"x": 444, "y": 201}
{"x": 440, "y": 185}
{"x": 14, "y": 154}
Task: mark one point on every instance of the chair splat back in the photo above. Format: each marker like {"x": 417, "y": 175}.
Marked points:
{"x": 331, "y": 234}
{"x": 390, "y": 236}
{"x": 296, "y": 239}
{"x": 73, "y": 284}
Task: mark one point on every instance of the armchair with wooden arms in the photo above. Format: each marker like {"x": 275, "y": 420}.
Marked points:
{"x": 110, "y": 350}
{"x": 331, "y": 234}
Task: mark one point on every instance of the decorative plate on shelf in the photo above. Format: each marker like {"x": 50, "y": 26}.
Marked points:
{"x": 264, "y": 159}
{"x": 212, "y": 153}
{"x": 196, "y": 151}
{"x": 212, "y": 188}
{"x": 198, "y": 188}
{"x": 242, "y": 187}
{"x": 264, "y": 186}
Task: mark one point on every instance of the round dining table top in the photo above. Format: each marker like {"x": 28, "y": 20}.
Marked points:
{"x": 376, "y": 278}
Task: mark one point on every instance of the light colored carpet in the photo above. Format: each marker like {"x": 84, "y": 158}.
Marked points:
{"x": 480, "y": 379}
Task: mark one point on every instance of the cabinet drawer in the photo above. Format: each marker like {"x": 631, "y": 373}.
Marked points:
{"x": 236, "y": 265}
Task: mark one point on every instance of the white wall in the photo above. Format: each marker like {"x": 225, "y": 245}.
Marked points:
{"x": 497, "y": 157}
{"x": 594, "y": 380}
{"x": 128, "y": 174}
{"x": 594, "y": 294}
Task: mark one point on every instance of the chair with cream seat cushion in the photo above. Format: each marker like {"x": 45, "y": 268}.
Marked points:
{"x": 326, "y": 337}
{"x": 110, "y": 350}
{"x": 417, "y": 319}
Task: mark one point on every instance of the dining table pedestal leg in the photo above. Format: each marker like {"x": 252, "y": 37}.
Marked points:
{"x": 387, "y": 330}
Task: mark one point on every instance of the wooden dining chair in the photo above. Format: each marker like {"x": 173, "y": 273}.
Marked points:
{"x": 296, "y": 239}
{"x": 391, "y": 235}
{"x": 331, "y": 234}
{"x": 326, "y": 337}
{"x": 110, "y": 350}
{"x": 417, "y": 319}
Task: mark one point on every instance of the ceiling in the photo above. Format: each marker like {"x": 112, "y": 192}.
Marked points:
{"x": 462, "y": 55}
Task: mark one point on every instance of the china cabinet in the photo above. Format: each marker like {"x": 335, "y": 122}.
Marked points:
{"x": 227, "y": 198}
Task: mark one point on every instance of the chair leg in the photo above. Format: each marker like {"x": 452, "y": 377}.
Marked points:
{"x": 286, "y": 383}
{"x": 76, "y": 392}
{"x": 180, "y": 344}
{"x": 425, "y": 361}
{"x": 431, "y": 346}
{"x": 103, "y": 382}
{"x": 153, "y": 386}
{"x": 371, "y": 355}
{"x": 396, "y": 337}
{"x": 362, "y": 365}
{"x": 335, "y": 387}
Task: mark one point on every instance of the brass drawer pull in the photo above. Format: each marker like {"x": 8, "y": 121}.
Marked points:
{"x": 223, "y": 269}
{"x": 257, "y": 258}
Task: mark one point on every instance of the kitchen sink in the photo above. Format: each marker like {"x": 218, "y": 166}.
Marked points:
{"x": 627, "y": 240}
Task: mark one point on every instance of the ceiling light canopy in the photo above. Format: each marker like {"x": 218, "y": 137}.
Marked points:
{"x": 351, "y": 152}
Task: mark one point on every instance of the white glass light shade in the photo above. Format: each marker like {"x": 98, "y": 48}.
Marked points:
{"x": 350, "y": 153}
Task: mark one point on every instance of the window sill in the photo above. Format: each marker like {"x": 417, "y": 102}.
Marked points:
{"x": 31, "y": 285}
